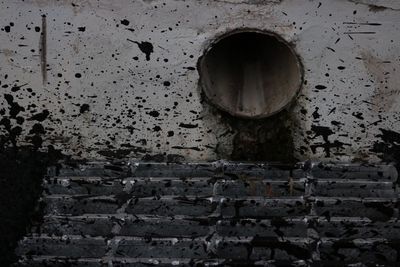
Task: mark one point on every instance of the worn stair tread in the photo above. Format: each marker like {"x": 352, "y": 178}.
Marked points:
{"x": 135, "y": 187}
{"x": 176, "y": 226}
{"x": 219, "y": 213}
{"x": 176, "y": 169}
{"x": 195, "y": 248}
{"x": 141, "y": 186}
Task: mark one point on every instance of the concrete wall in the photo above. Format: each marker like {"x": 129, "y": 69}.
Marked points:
{"x": 104, "y": 78}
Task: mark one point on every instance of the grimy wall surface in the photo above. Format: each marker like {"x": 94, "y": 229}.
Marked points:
{"x": 101, "y": 78}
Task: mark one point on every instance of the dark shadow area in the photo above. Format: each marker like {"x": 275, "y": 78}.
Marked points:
{"x": 21, "y": 174}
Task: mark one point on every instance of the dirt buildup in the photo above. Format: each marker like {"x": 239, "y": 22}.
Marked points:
{"x": 268, "y": 139}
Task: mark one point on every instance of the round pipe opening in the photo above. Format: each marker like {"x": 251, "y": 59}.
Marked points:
{"x": 250, "y": 74}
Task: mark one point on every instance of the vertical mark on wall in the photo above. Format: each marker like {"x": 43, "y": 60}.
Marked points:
{"x": 43, "y": 49}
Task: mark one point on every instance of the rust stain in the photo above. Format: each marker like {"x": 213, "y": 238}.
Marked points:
{"x": 43, "y": 49}
{"x": 375, "y": 8}
{"x": 386, "y": 92}
{"x": 75, "y": 47}
{"x": 268, "y": 189}
{"x": 291, "y": 185}
{"x": 7, "y": 52}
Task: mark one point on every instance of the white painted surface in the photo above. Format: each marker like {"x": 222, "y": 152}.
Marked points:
{"x": 325, "y": 34}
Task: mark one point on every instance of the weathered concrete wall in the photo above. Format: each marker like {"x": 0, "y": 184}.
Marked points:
{"x": 118, "y": 78}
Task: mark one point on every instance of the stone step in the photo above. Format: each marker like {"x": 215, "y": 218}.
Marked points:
{"x": 40, "y": 261}
{"x": 137, "y": 187}
{"x": 249, "y": 207}
{"x": 194, "y": 248}
{"x": 262, "y": 208}
{"x": 376, "y": 209}
{"x": 268, "y": 228}
{"x": 377, "y": 172}
{"x": 43, "y": 261}
{"x": 261, "y": 188}
{"x": 370, "y": 250}
{"x": 220, "y": 168}
{"x": 163, "y": 206}
{"x": 355, "y": 227}
{"x": 253, "y": 249}
{"x": 126, "y": 225}
{"x": 66, "y": 246}
{"x": 354, "y": 188}
{"x": 99, "y": 247}
{"x": 181, "y": 170}
{"x": 177, "y": 226}
{"x": 216, "y": 214}
{"x": 256, "y": 248}
{"x": 146, "y": 187}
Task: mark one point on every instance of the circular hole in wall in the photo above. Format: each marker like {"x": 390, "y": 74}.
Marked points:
{"x": 250, "y": 73}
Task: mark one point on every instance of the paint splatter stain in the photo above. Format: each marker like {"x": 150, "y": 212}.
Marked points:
{"x": 146, "y": 48}
{"x": 154, "y": 113}
{"x": 188, "y": 125}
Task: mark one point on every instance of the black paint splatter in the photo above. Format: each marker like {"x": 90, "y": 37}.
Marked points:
{"x": 84, "y": 108}
{"x": 146, "y": 47}
{"x": 15, "y": 108}
{"x": 315, "y": 114}
{"x": 321, "y": 131}
{"x": 40, "y": 116}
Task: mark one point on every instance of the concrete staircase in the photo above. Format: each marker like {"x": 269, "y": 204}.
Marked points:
{"x": 216, "y": 214}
